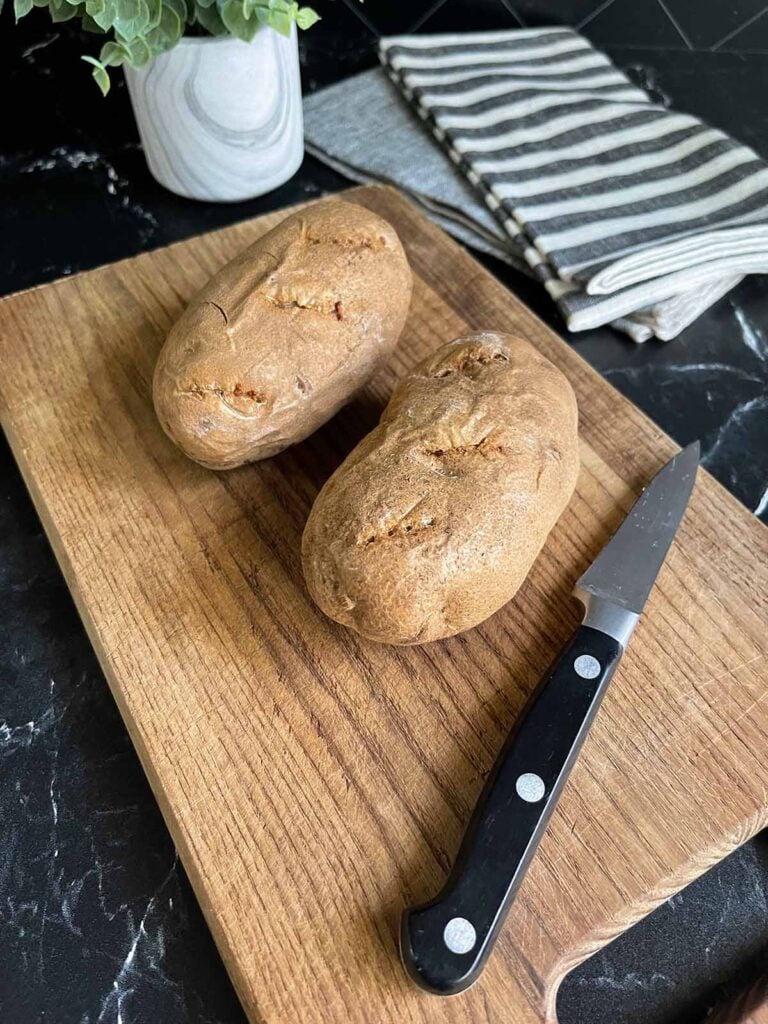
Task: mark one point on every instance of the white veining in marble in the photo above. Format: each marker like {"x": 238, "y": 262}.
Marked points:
{"x": 221, "y": 119}
{"x": 632, "y": 980}
{"x": 64, "y": 159}
{"x": 762, "y": 505}
{"x": 661, "y": 370}
{"x": 751, "y": 335}
{"x": 112, "y": 1003}
{"x": 736, "y": 418}
{"x": 41, "y": 44}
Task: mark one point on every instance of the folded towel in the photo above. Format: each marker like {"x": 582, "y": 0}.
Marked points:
{"x": 616, "y": 203}
{"x": 364, "y": 128}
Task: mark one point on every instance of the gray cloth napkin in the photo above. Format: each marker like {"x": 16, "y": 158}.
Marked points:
{"x": 363, "y": 127}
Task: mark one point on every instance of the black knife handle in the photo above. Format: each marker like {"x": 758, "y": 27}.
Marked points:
{"x": 445, "y": 943}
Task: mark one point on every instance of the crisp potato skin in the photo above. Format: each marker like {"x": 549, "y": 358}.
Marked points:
{"x": 283, "y": 335}
{"x": 434, "y": 520}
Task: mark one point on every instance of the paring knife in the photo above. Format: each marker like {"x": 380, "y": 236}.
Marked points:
{"x": 445, "y": 943}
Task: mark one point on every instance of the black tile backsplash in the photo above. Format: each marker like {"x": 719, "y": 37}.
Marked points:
{"x": 706, "y": 25}
{"x": 645, "y": 24}
{"x": 487, "y": 15}
{"x": 660, "y": 24}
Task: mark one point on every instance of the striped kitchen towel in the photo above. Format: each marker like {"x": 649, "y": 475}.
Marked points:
{"x": 622, "y": 208}
{"x": 364, "y": 128}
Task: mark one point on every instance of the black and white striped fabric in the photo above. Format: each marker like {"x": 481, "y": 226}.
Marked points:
{"x": 622, "y": 208}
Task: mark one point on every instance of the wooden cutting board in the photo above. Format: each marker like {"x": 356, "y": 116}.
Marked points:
{"x": 314, "y": 782}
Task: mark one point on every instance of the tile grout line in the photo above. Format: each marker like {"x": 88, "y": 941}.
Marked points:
{"x": 678, "y": 29}
{"x": 427, "y": 15}
{"x": 355, "y": 9}
{"x": 513, "y": 12}
{"x": 590, "y": 17}
{"x": 716, "y": 46}
{"x": 650, "y": 49}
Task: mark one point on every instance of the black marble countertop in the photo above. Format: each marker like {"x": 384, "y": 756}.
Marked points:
{"x": 97, "y": 920}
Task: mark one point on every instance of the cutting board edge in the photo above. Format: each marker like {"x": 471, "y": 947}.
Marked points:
{"x": 693, "y": 869}
{"x": 183, "y": 847}
{"x": 634, "y": 912}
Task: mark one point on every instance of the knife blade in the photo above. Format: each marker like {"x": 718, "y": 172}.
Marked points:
{"x": 444, "y": 944}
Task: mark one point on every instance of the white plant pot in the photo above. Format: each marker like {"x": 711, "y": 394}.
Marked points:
{"x": 220, "y": 119}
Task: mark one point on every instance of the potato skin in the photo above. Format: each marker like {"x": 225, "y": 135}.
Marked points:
{"x": 283, "y": 335}
{"x": 434, "y": 520}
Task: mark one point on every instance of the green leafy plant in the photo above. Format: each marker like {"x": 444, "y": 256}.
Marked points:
{"x": 140, "y": 29}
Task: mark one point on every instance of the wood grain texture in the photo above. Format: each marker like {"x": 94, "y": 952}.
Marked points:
{"x": 315, "y": 782}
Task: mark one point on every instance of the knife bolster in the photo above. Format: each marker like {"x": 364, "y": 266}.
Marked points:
{"x": 607, "y": 616}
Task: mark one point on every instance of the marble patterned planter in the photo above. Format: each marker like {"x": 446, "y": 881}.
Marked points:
{"x": 220, "y": 119}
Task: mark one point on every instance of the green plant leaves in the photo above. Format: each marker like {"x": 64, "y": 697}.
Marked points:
{"x": 181, "y": 9}
{"x": 139, "y": 51}
{"x": 155, "y": 8}
{"x": 131, "y": 17}
{"x": 99, "y": 73}
{"x": 167, "y": 32}
{"x": 100, "y": 13}
{"x": 281, "y": 14}
{"x": 306, "y": 17}
{"x": 22, "y": 7}
{"x": 233, "y": 14}
{"x": 210, "y": 18}
{"x": 61, "y": 10}
{"x": 87, "y": 22}
{"x": 112, "y": 54}
{"x": 142, "y": 29}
